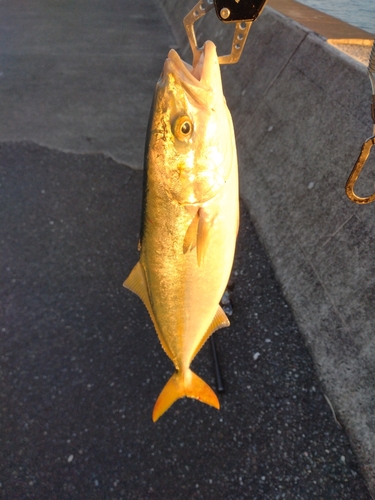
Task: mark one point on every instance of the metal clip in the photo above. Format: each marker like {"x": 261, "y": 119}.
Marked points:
{"x": 367, "y": 145}
{"x": 352, "y": 179}
{"x": 239, "y": 38}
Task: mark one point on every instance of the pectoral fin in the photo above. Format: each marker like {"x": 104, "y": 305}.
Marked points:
{"x": 190, "y": 241}
{"x": 203, "y": 235}
{"x": 198, "y": 233}
{"x": 136, "y": 282}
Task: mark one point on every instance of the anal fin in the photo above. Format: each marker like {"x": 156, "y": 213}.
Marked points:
{"x": 220, "y": 321}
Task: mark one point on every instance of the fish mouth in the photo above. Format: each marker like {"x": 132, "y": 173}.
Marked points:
{"x": 200, "y": 80}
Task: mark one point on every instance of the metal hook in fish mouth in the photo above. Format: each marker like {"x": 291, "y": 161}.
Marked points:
{"x": 353, "y": 177}
{"x": 239, "y": 38}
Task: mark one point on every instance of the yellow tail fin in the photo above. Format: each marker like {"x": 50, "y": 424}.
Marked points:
{"x": 181, "y": 385}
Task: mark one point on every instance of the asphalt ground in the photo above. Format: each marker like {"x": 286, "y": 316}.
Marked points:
{"x": 81, "y": 365}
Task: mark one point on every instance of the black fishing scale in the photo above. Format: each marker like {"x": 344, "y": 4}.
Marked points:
{"x": 241, "y": 12}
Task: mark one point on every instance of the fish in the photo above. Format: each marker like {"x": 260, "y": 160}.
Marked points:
{"x": 190, "y": 218}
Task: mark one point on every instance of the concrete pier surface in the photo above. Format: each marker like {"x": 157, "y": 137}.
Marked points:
{"x": 80, "y": 363}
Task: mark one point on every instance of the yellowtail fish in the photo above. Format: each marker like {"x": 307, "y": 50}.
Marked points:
{"x": 190, "y": 217}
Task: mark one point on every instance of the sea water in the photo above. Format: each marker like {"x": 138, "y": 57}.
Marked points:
{"x": 360, "y": 13}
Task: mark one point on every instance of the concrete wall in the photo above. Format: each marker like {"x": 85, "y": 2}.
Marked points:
{"x": 301, "y": 112}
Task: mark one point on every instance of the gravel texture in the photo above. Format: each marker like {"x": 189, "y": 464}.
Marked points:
{"x": 81, "y": 365}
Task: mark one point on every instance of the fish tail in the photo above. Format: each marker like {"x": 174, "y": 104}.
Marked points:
{"x": 183, "y": 384}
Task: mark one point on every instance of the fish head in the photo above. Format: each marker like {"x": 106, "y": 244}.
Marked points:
{"x": 191, "y": 143}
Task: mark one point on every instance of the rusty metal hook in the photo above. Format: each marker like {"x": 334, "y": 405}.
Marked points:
{"x": 366, "y": 146}
{"x": 352, "y": 179}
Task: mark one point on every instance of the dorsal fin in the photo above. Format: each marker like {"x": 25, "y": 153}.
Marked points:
{"x": 136, "y": 282}
{"x": 220, "y": 321}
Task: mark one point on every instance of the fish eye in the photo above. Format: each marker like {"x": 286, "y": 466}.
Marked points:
{"x": 183, "y": 128}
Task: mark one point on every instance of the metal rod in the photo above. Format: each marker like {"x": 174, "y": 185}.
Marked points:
{"x": 219, "y": 379}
